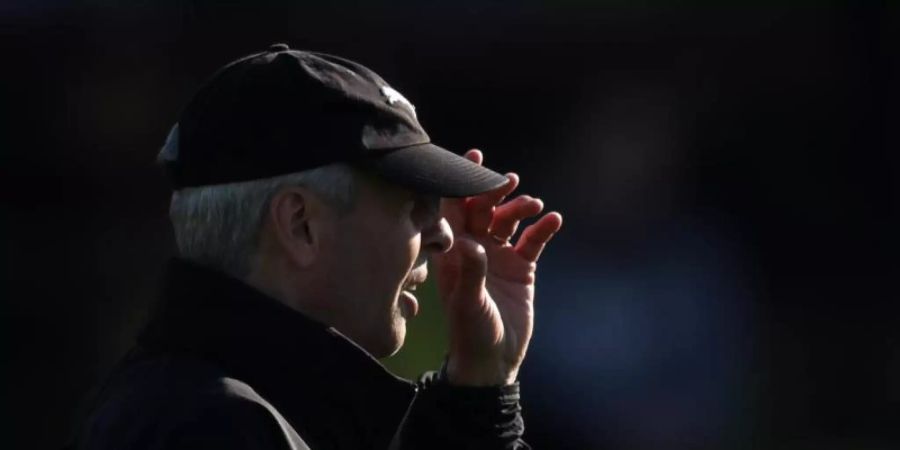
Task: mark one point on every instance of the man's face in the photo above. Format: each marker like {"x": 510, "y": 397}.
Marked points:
{"x": 374, "y": 257}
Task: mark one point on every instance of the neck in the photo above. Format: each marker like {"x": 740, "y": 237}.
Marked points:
{"x": 294, "y": 288}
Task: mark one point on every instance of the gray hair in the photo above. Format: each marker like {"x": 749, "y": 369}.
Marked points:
{"x": 218, "y": 225}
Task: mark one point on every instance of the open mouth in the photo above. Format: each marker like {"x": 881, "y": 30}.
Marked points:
{"x": 410, "y": 302}
{"x": 416, "y": 277}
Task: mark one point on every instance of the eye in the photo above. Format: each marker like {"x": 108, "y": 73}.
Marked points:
{"x": 426, "y": 209}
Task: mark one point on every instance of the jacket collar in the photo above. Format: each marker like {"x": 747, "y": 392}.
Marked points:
{"x": 308, "y": 370}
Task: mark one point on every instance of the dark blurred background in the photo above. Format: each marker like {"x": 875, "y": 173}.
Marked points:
{"x": 727, "y": 274}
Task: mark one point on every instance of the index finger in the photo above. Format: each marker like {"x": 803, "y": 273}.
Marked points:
{"x": 480, "y": 208}
{"x": 454, "y": 209}
{"x": 536, "y": 236}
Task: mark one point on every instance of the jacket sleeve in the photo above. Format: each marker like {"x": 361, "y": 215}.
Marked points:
{"x": 443, "y": 416}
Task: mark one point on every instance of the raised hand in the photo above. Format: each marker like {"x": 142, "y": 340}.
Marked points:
{"x": 486, "y": 281}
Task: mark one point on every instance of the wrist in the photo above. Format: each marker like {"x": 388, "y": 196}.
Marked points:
{"x": 459, "y": 373}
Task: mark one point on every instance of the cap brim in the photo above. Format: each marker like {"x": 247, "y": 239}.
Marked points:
{"x": 431, "y": 169}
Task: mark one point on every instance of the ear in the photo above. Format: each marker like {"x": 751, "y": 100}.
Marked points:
{"x": 292, "y": 213}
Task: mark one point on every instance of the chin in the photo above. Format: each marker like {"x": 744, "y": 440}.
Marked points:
{"x": 384, "y": 351}
{"x": 391, "y": 342}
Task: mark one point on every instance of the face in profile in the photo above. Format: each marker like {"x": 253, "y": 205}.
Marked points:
{"x": 375, "y": 257}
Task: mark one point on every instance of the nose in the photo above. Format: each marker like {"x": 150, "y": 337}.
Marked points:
{"x": 438, "y": 237}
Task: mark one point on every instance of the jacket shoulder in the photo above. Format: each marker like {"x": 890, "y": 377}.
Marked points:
{"x": 173, "y": 402}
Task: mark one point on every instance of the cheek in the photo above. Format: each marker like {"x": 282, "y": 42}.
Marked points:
{"x": 379, "y": 261}
{"x": 380, "y": 251}
{"x": 396, "y": 245}
{"x": 398, "y": 256}
{"x": 408, "y": 247}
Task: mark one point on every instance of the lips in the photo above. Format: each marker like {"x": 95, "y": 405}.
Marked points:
{"x": 416, "y": 277}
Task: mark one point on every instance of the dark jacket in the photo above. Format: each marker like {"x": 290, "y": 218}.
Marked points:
{"x": 224, "y": 366}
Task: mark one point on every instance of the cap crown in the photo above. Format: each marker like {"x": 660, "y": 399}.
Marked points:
{"x": 284, "y": 111}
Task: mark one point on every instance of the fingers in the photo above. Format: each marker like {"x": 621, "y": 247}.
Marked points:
{"x": 507, "y": 216}
{"x": 536, "y": 236}
{"x": 480, "y": 209}
{"x": 468, "y": 293}
{"x": 454, "y": 209}
{"x": 475, "y": 156}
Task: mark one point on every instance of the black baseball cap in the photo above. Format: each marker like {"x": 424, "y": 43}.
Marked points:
{"x": 283, "y": 111}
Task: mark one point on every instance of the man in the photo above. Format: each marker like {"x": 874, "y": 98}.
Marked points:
{"x": 307, "y": 202}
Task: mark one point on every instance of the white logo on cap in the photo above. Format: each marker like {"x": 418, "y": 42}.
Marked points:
{"x": 394, "y": 97}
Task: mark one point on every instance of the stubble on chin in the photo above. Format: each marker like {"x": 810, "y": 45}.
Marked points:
{"x": 397, "y": 330}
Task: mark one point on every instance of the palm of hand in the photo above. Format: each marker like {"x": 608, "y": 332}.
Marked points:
{"x": 510, "y": 287}
{"x": 500, "y": 318}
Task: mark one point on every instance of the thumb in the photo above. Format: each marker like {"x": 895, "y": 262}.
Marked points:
{"x": 470, "y": 283}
